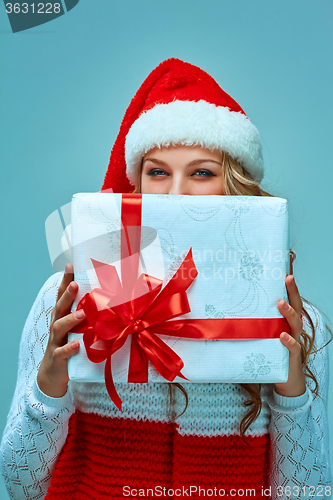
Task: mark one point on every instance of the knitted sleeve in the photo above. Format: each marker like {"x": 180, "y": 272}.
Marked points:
{"x": 300, "y": 467}
{"x": 37, "y": 425}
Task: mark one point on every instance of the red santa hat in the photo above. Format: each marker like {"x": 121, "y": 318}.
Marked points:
{"x": 179, "y": 103}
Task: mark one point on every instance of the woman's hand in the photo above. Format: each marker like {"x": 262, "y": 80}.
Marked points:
{"x": 295, "y": 385}
{"x": 52, "y": 377}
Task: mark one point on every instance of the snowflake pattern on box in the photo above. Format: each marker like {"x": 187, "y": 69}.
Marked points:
{"x": 256, "y": 365}
{"x": 250, "y": 269}
{"x": 241, "y": 205}
{"x": 175, "y": 198}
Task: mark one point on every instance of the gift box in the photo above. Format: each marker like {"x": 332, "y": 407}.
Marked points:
{"x": 228, "y": 254}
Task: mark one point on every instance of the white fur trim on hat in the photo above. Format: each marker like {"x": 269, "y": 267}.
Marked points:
{"x": 194, "y": 123}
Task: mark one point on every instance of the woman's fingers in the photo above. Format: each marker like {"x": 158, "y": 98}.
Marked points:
{"x": 291, "y": 344}
{"x": 295, "y": 385}
{"x": 52, "y": 377}
{"x": 292, "y": 317}
{"x": 64, "y": 304}
{"x": 62, "y": 326}
{"x": 66, "y": 351}
{"x": 293, "y": 294}
{"x": 67, "y": 278}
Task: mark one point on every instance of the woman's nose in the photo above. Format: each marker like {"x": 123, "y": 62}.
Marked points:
{"x": 178, "y": 186}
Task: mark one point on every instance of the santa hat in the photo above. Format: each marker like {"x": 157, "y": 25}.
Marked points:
{"x": 179, "y": 103}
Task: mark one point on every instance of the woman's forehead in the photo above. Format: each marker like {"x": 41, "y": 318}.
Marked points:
{"x": 183, "y": 151}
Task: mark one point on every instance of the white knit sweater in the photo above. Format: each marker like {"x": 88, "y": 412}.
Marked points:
{"x": 37, "y": 425}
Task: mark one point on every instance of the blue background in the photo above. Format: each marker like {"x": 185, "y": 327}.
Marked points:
{"x": 65, "y": 87}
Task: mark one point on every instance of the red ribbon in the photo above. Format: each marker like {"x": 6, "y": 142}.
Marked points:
{"x": 140, "y": 307}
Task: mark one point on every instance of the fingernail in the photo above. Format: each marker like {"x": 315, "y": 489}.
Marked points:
{"x": 80, "y": 314}
{"x": 292, "y": 280}
{"x": 69, "y": 268}
{"x": 74, "y": 345}
{"x": 285, "y": 336}
{"x": 285, "y": 306}
{"x": 70, "y": 288}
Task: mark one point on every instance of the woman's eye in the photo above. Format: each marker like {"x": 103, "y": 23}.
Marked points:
{"x": 156, "y": 172}
{"x": 204, "y": 173}
{"x": 159, "y": 172}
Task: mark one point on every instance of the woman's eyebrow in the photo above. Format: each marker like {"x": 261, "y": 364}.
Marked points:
{"x": 154, "y": 160}
{"x": 194, "y": 162}
{"x": 203, "y": 160}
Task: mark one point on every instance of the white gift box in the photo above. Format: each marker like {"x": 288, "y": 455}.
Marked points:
{"x": 240, "y": 247}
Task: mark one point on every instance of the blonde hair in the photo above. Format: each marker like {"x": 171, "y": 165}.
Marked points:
{"x": 238, "y": 182}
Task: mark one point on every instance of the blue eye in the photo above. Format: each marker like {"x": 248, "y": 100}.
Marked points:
{"x": 159, "y": 172}
{"x": 206, "y": 173}
{"x": 156, "y": 172}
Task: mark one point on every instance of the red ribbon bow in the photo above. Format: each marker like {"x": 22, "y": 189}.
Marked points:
{"x": 110, "y": 325}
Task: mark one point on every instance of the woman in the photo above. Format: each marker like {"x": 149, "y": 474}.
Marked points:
{"x": 181, "y": 134}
